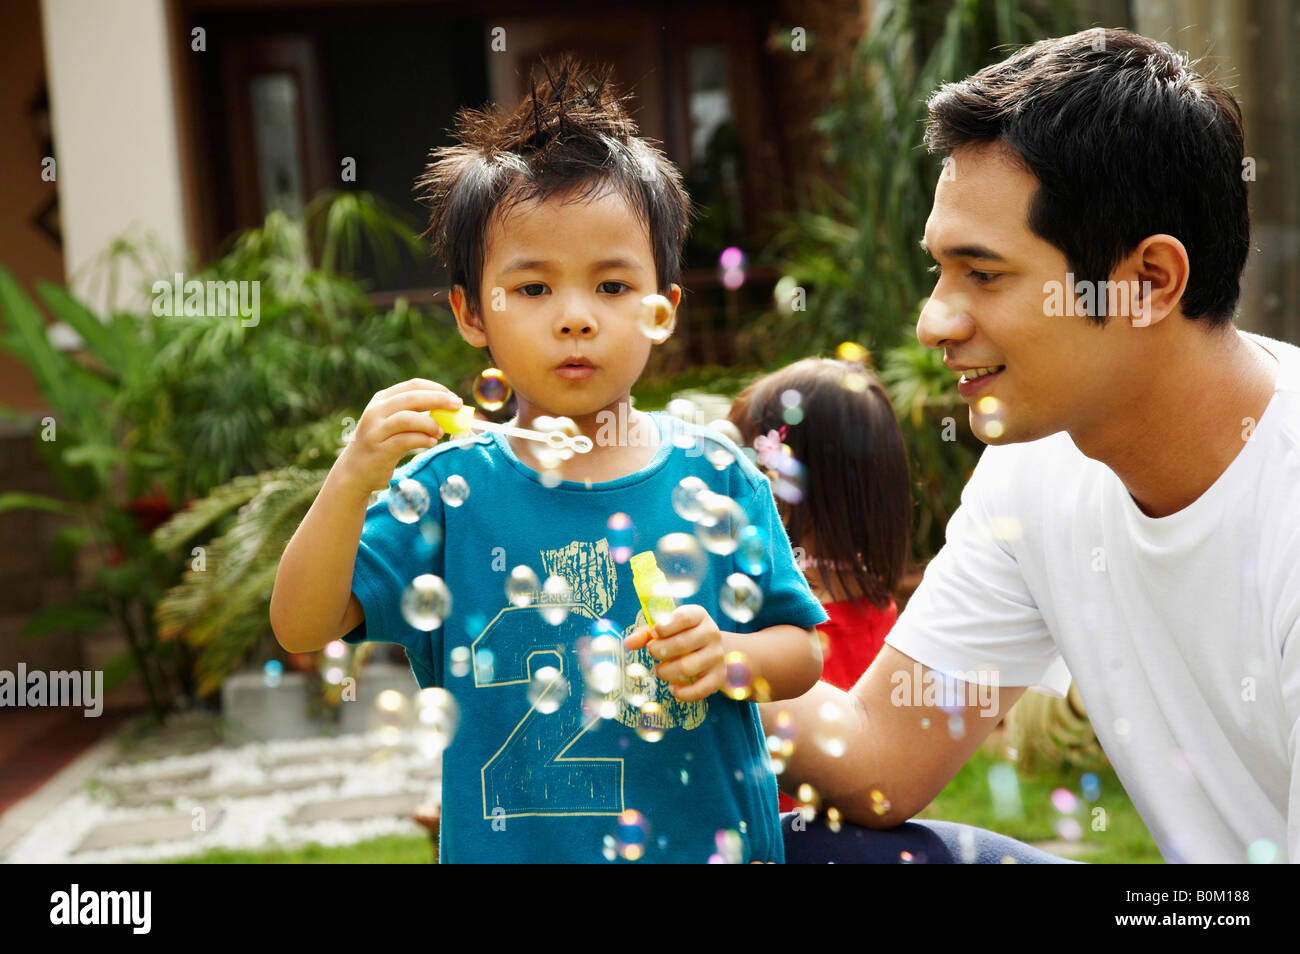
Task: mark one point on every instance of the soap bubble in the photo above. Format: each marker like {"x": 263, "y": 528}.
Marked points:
{"x": 602, "y": 660}
{"x": 738, "y": 678}
{"x": 1261, "y": 852}
{"x": 721, "y": 522}
{"x": 556, "y": 592}
{"x": 1069, "y": 829}
{"x": 426, "y": 602}
{"x": 336, "y": 649}
{"x": 271, "y": 673}
{"x": 1004, "y": 786}
{"x": 460, "y": 661}
{"x": 791, "y": 398}
{"x": 683, "y": 564}
{"x": 656, "y": 318}
{"x": 717, "y": 453}
{"x": 879, "y": 804}
{"x": 633, "y": 833}
{"x": 751, "y": 552}
{"x": 855, "y": 381}
{"x": 454, "y": 490}
{"x": 731, "y": 847}
{"x": 688, "y": 498}
{"x": 852, "y": 351}
{"x": 966, "y": 846}
{"x": 547, "y": 690}
{"x": 484, "y": 667}
{"x": 989, "y": 417}
{"x": 408, "y": 501}
{"x": 521, "y": 585}
{"x": 638, "y": 685}
{"x": 831, "y": 730}
{"x": 651, "y": 721}
{"x": 740, "y": 598}
{"x": 492, "y": 390}
{"x": 1090, "y": 785}
{"x": 621, "y": 536}
{"x": 1063, "y": 801}
{"x": 431, "y": 531}
{"x": 390, "y": 715}
{"x": 684, "y": 411}
{"x": 437, "y": 717}
{"x": 780, "y": 744}
{"x": 731, "y": 257}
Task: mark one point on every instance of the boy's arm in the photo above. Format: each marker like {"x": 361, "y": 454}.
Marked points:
{"x": 312, "y": 603}
{"x": 787, "y": 658}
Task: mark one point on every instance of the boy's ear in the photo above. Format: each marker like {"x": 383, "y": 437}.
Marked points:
{"x": 468, "y": 320}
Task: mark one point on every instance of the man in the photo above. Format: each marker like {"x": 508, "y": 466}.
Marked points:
{"x": 1135, "y": 521}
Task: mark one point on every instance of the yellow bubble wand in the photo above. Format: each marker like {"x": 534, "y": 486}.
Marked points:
{"x": 462, "y": 421}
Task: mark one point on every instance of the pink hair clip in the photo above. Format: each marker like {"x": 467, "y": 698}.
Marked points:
{"x": 769, "y": 446}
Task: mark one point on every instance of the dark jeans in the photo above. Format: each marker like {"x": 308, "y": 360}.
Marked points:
{"x": 914, "y": 842}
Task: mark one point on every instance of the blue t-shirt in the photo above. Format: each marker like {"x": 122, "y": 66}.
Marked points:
{"x": 525, "y": 785}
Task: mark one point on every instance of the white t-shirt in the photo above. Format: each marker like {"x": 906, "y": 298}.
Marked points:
{"x": 1183, "y": 632}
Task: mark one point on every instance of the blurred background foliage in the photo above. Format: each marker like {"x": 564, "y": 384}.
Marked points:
{"x": 238, "y": 422}
{"x": 189, "y": 449}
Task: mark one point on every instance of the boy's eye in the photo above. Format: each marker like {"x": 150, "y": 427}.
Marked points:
{"x": 538, "y": 289}
{"x": 620, "y": 286}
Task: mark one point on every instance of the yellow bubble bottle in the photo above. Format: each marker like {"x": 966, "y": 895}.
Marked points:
{"x": 651, "y": 588}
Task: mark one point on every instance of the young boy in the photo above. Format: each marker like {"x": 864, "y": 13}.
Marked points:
{"x": 556, "y": 221}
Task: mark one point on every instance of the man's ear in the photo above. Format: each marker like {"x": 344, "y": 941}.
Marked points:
{"x": 468, "y": 321}
{"x": 1157, "y": 272}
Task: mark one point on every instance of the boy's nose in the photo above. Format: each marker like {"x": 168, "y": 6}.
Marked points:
{"x": 576, "y": 320}
{"x": 941, "y": 321}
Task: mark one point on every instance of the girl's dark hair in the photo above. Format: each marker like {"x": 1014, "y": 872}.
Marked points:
{"x": 571, "y": 133}
{"x": 1127, "y": 140}
{"x": 857, "y": 497}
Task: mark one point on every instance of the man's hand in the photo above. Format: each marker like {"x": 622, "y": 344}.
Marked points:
{"x": 689, "y": 646}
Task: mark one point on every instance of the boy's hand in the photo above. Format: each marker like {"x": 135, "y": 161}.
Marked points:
{"x": 689, "y": 645}
{"x": 395, "y": 422}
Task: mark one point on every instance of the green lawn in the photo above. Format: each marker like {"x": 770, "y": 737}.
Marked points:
{"x": 385, "y": 850}
{"x": 966, "y": 799}
{"x": 1124, "y": 841}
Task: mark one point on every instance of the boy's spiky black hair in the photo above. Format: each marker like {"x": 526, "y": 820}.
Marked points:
{"x": 572, "y": 134}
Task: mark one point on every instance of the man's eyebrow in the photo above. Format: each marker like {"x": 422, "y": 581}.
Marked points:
{"x": 966, "y": 251}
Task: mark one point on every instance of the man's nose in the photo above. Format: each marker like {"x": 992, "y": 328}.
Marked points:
{"x": 943, "y": 320}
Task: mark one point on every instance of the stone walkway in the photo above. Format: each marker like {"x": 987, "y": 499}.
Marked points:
{"x": 180, "y": 792}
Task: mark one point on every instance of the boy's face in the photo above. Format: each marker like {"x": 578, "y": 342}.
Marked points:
{"x": 990, "y": 308}
{"x": 560, "y": 306}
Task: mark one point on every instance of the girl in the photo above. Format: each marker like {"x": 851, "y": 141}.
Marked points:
{"x": 851, "y": 519}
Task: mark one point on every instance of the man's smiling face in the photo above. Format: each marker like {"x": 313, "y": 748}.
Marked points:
{"x": 560, "y": 305}
{"x": 988, "y": 310}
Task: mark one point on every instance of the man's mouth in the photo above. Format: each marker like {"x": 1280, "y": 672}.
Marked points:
{"x": 971, "y": 374}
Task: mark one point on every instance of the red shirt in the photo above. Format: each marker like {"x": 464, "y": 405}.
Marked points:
{"x": 851, "y": 638}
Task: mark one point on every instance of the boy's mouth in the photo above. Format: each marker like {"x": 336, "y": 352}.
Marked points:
{"x": 575, "y": 368}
